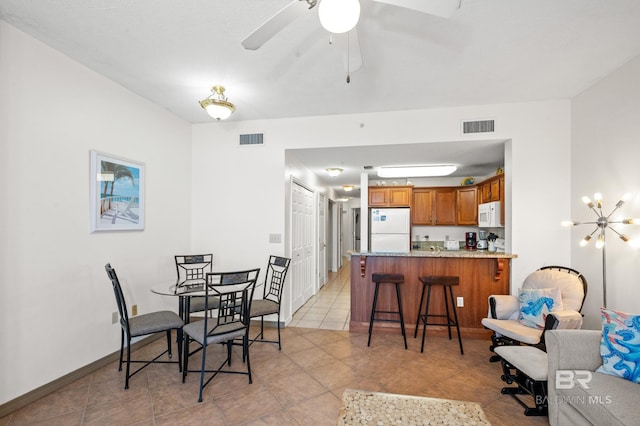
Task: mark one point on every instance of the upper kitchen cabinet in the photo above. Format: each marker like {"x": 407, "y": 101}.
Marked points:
{"x": 491, "y": 189}
{"x": 467, "y": 205}
{"x": 390, "y": 196}
{"x": 434, "y": 206}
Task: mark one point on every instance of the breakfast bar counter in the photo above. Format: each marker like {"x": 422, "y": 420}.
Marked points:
{"x": 481, "y": 274}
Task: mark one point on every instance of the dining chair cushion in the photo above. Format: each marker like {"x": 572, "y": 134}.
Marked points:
{"x": 196, "y": 304}
{"x": 223, "y": 332}
{"x": 154, "y": 322}
{"x": 263, "y": 307}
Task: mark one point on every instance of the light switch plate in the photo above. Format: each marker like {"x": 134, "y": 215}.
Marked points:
{"x": 460, "y": 302}
{"x": 275, "y": 238}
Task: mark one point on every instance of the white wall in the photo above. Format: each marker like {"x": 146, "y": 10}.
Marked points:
{"x": 56, "y": 301}
{"x": 217, "y": 196}
{"x": 239, "y": 193}
{"x": 605, "y": 149}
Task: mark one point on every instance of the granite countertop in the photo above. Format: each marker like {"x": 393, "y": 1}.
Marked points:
{"x": 478, "y": 254}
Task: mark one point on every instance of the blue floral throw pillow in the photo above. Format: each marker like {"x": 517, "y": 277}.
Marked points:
{"x": 620, "y": 345}
{"x": 535, "y": 305}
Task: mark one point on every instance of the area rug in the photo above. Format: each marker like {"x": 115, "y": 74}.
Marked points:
{"x": 361, "y": 407}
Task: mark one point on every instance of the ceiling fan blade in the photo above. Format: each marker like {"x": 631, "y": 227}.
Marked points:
{"x": 442, "y": 8}
{"x": 275, "y": 24}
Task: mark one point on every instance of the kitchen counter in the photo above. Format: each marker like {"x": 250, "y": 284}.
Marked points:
{"x": 482, "y": 273}
{"x": 480, "y": 254}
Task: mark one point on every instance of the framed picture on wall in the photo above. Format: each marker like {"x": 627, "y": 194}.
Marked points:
{"x": 117, "y": 193}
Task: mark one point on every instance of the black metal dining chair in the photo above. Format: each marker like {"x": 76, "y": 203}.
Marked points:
{"x": 234, "y": 291}
{"x": 192, "y": 269}
{"x": 277, "y": 268}
{"x": 142, "y": 325}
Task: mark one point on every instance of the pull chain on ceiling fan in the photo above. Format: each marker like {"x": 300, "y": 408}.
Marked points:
{"x": 330, "y": 9}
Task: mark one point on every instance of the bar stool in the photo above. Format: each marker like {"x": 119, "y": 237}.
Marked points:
{"x": 395, "y": 279}
{"x": 445, "y": 282}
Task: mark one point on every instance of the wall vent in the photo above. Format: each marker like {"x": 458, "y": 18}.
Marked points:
{"x": 251, "y": 139}
{"x": 480, "y": 126}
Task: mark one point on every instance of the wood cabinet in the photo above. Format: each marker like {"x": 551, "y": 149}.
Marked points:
{"x": 467, "y": 205}
{"x": 491, "y": 189}
{"x": 422, "y": 211}
{"x": 390, "y": 196}
{"x": 434, "y": 206}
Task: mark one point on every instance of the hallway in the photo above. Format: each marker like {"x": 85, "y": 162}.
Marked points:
{"x": 330, "y": 308}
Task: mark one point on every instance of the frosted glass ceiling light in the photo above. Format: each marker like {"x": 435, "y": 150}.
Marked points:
{"x": 348, "y": 188}
{"x": 334, "y": 171}
{"x": 339, "y": 16}
{"x": 217, "y": 105}
{"x": 416, "y": 171}
{"x": 602, "y": 223}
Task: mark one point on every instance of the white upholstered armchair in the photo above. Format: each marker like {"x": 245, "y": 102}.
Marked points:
{"x": 550, "y": 298}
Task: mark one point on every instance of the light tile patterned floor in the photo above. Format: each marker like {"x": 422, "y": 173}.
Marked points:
{"x": 300, "y": 385}
{"x": 330, "y": 308}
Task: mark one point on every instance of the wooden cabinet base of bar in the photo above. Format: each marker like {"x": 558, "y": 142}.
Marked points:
{"x": 479, "y": 278}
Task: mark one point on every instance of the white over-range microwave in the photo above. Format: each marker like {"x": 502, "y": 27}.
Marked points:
{"x": 489, "y": 215}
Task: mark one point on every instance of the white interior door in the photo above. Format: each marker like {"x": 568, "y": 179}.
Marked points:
{"x": 302, "y": 241}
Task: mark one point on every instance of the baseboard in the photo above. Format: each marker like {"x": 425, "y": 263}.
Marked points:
{"x": 44, "y": 390}
{"x": 268, "y": 324}
{"x": 393, "y": 328}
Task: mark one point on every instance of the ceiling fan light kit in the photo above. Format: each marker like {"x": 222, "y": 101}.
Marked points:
{"x": 217, "y": 105}
{"x": 339, "y": 16}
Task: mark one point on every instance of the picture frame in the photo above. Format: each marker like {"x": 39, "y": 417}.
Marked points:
{"x": 117, "y": 193}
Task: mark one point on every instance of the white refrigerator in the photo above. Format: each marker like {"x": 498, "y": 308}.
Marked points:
{"x": 391, "y": 230}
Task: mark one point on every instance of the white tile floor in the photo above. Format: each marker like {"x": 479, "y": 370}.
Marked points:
{"x": 329, "y": 309}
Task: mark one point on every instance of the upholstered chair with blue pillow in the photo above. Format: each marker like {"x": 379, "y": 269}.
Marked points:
{"x": 594, "y": 375}
{"x": 549, "y": 298}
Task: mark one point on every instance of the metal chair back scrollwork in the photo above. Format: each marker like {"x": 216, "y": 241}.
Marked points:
{"x": 276, "y": 274}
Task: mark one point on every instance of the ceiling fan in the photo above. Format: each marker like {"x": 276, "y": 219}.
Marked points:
{"x": 330, "y": 9}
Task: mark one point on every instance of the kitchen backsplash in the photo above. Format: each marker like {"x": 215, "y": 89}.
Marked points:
{"x": 432, "y": 245}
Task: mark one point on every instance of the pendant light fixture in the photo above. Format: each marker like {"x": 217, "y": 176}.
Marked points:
{"x": 217, "y": 105}
{"x": 339, "y": 16}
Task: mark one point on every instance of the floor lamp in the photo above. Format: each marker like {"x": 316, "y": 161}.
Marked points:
{"x": 602, "y": 223}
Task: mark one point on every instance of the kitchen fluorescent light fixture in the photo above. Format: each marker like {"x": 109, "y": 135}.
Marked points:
{"x": 416, "y": 171}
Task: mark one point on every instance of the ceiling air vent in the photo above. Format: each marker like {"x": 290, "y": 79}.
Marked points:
{"x": 251, "y": 139}
{"x": 480, "y": 126}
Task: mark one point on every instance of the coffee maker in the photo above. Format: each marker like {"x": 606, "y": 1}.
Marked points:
{"x": 482, "y": 240}
{"x": 470, "y": 242}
